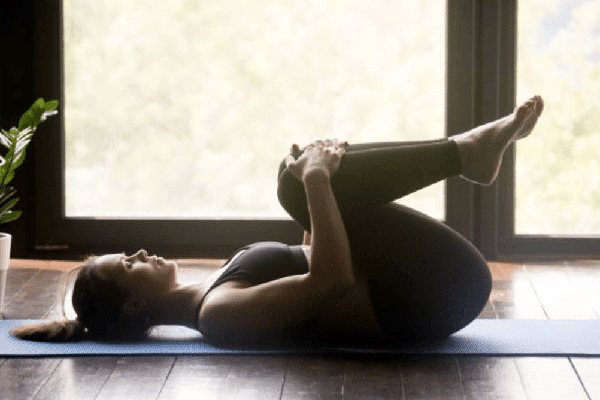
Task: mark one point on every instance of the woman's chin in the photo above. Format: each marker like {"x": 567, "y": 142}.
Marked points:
{"x": 172, "y": 269}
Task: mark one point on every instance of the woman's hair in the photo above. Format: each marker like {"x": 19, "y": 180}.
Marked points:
{"x": 98, "y": 303}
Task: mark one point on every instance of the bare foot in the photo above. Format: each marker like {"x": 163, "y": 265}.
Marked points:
{"x": 481, "y": 149}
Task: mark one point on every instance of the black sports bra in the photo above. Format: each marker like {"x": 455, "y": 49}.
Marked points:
{"x": 262, "y": 262}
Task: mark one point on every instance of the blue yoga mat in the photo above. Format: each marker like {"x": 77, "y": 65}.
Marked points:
{"x": 484, "y": 337}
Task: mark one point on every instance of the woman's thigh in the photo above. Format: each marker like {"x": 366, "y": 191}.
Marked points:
{"x": 426, "y": 280}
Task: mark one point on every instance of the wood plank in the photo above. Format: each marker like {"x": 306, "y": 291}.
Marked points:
{"x": 138, "y": 378}
{"x": 36, "y": 297}
{"x": 431, "y": 378}
{"x": 588, "y": 370}
{"x": 489, "y": 378}
{"x": 587, "y": 277}
{"x": 22, "y": 378}
{"x": 79, "y": 378}
{"x": 516, "y": 299}
{"x": 488, "y": 311}
{"x": 313, "y": 378}
{"x": 208, "y": 263}
{"x": 16, "y": 280}
{"x": 225, "y": 377}
{"x": 194, "y": 275}
{"x": 559, "y": 291}
{"x": 512, "y": 294}
{"x": 372, "y": 380}
{"x": 254, "y": 378}
{"x": 546, "y": 378}
{"x": 203, "y": 376}
{"x": 16, "y": 263}
{"x": 505, "y": 271}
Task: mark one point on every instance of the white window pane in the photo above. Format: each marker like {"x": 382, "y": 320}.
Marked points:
{"x": 183, "y": 109}
{"x": 558, "y": 167}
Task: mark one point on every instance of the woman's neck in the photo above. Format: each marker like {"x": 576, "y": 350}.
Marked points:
{"x": 179, "y": 306}
{"x": 182, "y": 304}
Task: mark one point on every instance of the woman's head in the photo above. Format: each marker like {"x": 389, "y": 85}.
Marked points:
{"x": 113, "y": 296}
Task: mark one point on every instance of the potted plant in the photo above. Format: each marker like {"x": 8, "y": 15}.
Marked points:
{"x": 15, "y": 141}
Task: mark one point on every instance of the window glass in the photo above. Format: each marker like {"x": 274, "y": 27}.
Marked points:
{"x": 558, "y": 167}
{"x": 184, "y": 109}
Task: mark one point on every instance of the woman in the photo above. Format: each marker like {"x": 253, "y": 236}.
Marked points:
{"x": 370, "y": 269}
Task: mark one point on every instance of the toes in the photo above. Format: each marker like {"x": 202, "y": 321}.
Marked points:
{"x": 536, "y": 103}
{"x": 526, "y": 116}
{"x": 531, "y": 119}
{"x": 533, "y": 104}
{"x": 539, "y": 106}
{"x": 521, "y": 112}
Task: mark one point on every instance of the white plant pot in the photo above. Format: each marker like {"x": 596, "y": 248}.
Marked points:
{"x": 5, "y": 240}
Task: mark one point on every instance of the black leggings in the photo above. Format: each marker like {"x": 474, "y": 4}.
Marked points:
{"x": 426, "y": 280}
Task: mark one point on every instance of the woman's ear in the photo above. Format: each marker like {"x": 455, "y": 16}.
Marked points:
{"x": 135, "y": 306}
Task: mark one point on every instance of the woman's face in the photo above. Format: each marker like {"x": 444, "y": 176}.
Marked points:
{"x": 139, "y": 273}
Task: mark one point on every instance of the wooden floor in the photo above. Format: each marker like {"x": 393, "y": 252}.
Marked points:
{"x": 560, "y": 290}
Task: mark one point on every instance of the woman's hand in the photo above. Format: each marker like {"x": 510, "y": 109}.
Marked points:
{"x": 320, "y": 156}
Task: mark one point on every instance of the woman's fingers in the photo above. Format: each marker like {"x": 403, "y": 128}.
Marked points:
{"x": 289, "y": 160}
{"x": 323, "y": 154}
{"x": 334, "y": 143}
{"x": 315, "y": 158}
{"x": 293, "y": 166}
{"x": 336, "y": 159}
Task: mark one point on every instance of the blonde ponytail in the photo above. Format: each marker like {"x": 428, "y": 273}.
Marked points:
{"x": 52, "y": 331}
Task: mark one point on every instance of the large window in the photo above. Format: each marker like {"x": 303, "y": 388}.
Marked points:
{"x": 176, "y": 114}
{"x": 183, "y": 109}
{"x": 558, "y": 168}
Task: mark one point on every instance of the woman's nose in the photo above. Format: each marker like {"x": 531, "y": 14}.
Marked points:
{"x": 142, "y": 255}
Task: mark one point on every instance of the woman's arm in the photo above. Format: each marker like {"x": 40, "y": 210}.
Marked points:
{"x": 330, "y": 250}
{"x": 237, "y": 311}
{"x": 330, "y": 262}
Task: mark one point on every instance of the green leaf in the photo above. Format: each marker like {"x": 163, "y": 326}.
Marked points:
{"x": 38, "y": 108}
{"x": 19, "y": 159}
{"x": 16, "y": 141}
{"x": 40, "y": 104}
{"x": 51, "y": 105}
{"x": 21, "y": 146}
{"x": 7, "y": 194}
{"x": 5, "y": 139}
{"x": 8, "y": 206}
{"x": 27, "y": 120}
{"x": 9, "y": 176}
{"x": 9, "y": 216}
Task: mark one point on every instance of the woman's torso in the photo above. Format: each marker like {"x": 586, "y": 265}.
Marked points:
{"x": 351, "y": 316}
